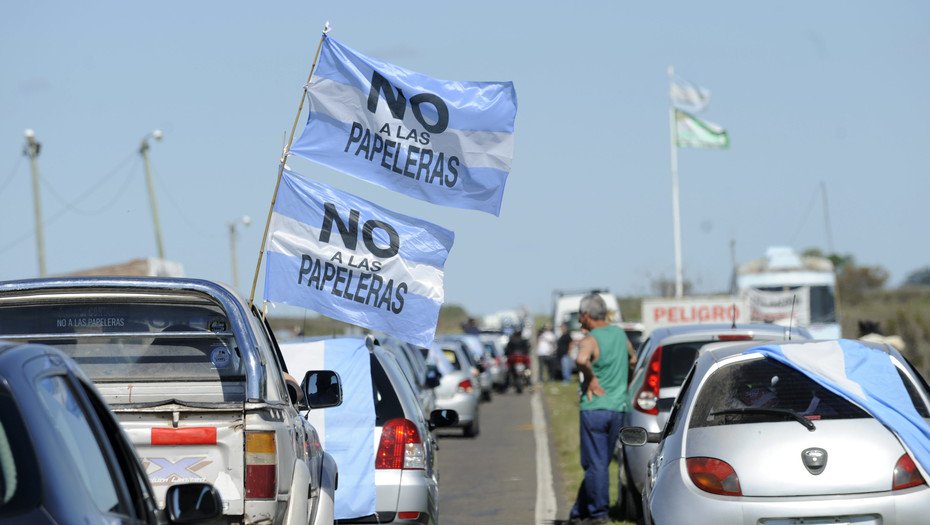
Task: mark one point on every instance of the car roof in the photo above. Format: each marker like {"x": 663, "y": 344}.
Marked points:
{"x": 722, "y": 351}
{"x": 683, "y": 329}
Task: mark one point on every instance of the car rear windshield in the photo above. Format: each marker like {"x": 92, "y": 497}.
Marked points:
{"x": 677, "y": 359}
{"x": 387, "y": 404}
{"x": 756, "y": 390}
{"x": 126, "y": 341}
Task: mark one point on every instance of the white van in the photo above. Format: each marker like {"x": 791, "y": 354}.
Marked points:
{"x": 566, "y": 306}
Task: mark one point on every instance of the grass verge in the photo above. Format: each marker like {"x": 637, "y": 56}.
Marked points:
{"x": 562, "y": 404}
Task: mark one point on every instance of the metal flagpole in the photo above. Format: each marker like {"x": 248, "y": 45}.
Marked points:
{"x": 284, "y": 154}
{"x": 676, "y": 216}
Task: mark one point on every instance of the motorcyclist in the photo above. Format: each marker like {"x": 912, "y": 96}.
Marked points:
{"x": 516, "y": 350}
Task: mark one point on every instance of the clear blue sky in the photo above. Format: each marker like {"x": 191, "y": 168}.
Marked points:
{"x": 811, "y": 92}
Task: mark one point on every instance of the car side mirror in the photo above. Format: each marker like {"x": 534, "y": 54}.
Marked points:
{"x": 442, "y": 418}
{"x": 193, "y": 503}
{"x": 322, "y": 389}
{"x": 638, "y": 436}
{"x": 433, "y": 376}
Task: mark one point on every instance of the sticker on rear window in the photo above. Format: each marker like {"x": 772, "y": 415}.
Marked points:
{"x": 220, "y": 357}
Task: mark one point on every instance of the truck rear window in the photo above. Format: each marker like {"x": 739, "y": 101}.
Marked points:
{"x": 125, "y": 341}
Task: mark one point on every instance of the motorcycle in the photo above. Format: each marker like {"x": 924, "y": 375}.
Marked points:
{"x": 519, "y": 373}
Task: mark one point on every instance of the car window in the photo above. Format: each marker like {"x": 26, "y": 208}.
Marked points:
{"x": 125, "y": 341}
{"x": 453, "y": 358}
{"x": 677, "y": 359}
{"x": 912, "y": 393}
{"x": 387, "y": 404}
{"x": 769, "y": 385}
{"x": 675, "y": 414}
{"x": 78, "y": 440}
{"x": 19, "y": 481}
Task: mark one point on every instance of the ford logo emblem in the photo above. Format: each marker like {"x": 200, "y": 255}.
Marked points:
{"x": 814, "y": 459}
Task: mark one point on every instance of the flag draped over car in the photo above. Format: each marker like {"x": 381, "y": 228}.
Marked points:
{"x": 445, "y": 142}
{"x": 867, "y": 377}
{"x": 347, "y": 432}
{"x": 355, "y": 261}
{"x": 692, "y": 132}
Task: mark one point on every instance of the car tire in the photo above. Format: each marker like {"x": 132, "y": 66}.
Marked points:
{"x": 632, "y": 499}
{"x": 472, "y": 429}
{"x": 486, "y": 396}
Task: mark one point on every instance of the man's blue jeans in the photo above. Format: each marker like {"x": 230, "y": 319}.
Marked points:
{"x": 566, "y": 363}
{"x": 599, "y": 432}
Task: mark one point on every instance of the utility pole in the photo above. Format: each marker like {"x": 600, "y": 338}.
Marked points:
{"x": 144, "y": 151}
{"x": 31, "y": 150}
{"x": 245, "y": 221}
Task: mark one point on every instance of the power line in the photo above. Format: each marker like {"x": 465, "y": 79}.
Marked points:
{"x": 9, "y": 178}
{"x": 191, "y": 224}
{"x": 807, "y": 213}
{"x": 71, "y": 206}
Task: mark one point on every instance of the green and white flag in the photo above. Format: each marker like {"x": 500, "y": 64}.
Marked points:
{"x": 692, "y": 132}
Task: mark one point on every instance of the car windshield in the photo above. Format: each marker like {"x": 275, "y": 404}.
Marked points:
{"x": 128, "y": 341}
{"x": 761, "y": 390}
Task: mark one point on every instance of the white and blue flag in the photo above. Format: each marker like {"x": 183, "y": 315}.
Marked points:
{"x": 442, "y": 141}
{"x": 867, "y": 377}
{"x": 347, "y": 432}
{"x": 352, "y": 260}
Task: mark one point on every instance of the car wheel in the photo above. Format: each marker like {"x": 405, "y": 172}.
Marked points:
{"x": 632, "y": 499}
{"x": 486, "y": 395}
{"x": 472, "y": 429}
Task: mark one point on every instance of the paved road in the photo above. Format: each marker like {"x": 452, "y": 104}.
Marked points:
{"x": 491, "y": 478}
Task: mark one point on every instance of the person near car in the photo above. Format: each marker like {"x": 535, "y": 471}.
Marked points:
{"x": 562, "y": 354}
{"x": 603, "y": 357}
{"x": 545, "y": 349}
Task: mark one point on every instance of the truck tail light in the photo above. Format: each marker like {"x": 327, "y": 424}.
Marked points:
{"x": 401, "y": 446}
{"x": 647, "y": 399}
{"x": 906, "y": 474}
{"x": 714, "y": 476}
{"x": 260, "y": 465}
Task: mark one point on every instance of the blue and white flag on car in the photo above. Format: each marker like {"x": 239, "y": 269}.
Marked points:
{"x": 867, "y": 377}
{"x": 346, "y": 258}
{"x": 347, "y": 432}
{"x": 442, "y": 141}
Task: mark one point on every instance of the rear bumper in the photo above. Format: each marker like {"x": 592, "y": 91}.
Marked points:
{"x": 465, "y": 404}
{"x": 402, "y": 492}
{"x": 691, "y": 505}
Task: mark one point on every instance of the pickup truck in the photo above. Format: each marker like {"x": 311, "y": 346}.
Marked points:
{"x": 196, "y": 380}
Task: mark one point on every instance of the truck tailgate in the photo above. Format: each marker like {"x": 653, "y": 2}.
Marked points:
{"x": 184, "y": 445}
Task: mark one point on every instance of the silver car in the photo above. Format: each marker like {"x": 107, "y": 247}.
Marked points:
{"x": 458, "y": 388}
{"x": 662, "y": 364}
{"x": 753, "y": 441}
{"x": 478, "y": 359}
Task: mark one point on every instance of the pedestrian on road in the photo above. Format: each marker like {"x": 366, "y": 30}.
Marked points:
{"x": 562, "y": 353}
{"x": 603, "y": 357}
{"x": 545, "y": 349}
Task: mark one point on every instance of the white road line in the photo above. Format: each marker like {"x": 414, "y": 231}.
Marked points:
{"x": 545, "y": 493}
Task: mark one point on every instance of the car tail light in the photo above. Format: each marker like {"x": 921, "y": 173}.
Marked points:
{"x": 906, "y": 474}
{"x": 400, "y": 446}
{"x": 466, "y": 386}
{"x": 714, "y": 476}
{"x": 260, "y": 465}
{"x": 734, "y": 337}
{"x": 408, "y": 515}
{"x": 184, "y": 436}
{"x": 647, "y": 399}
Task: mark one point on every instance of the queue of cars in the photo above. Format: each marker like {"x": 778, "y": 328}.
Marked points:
{"x": 169, "y": 400}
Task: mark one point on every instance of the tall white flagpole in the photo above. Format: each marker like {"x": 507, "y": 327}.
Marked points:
{"x": 676, "y": 216}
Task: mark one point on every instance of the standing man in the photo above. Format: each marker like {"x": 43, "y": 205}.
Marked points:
{"x": 562, "y": 353}
{"x": 545, "y": 349}
{"x": 603, "y": 357}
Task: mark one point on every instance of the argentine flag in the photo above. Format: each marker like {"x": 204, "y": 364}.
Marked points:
{"x": 442, "y": 141}
{"x": 347, "y": 432}
{"x": 867, "y": 377}
{"x": 352, "y": 260}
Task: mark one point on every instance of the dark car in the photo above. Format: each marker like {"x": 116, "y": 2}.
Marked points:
{"x": 64, "y": 458}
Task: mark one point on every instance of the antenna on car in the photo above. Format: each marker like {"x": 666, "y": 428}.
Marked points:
{"x": 791, "y": 319}
{"x": 733, "y": 316}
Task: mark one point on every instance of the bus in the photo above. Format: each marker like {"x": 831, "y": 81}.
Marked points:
{"x": 786, "y": 288}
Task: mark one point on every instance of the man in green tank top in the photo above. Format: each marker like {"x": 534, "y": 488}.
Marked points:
{"x": 603, "y": 357}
